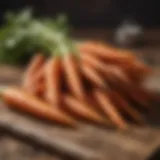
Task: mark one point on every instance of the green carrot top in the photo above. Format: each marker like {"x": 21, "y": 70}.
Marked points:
{"x": 22, "y": 35}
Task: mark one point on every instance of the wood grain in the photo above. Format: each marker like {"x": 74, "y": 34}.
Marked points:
{"x": 83, "y": 143}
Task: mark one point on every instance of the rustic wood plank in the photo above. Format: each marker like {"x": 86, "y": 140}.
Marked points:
{"x": 41, "y": 134}
{"x": 83, "y": 143}
{"x": 13, "y": 149}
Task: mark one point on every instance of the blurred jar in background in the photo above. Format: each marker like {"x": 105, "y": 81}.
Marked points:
{"x": 128, "y": 33}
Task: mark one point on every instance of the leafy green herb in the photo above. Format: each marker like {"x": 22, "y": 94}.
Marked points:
{"x": 22, "y": 35}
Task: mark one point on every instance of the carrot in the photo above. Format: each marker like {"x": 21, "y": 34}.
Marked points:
{"x": 123, "y": 105}
{"x": 136, "y": 71}
{"x": 39, "y": 75}
{"x": 132, "y": 92}
{"x": 108, "y": 69}
{"x": 133, "y": 67}
{"x": 26, "y": 102}
{"x": 36, "y": 62}
{"x": 39, "y": 89}
{"x": 72, "y": 74}
{"x": 149, "y": 95}
{"x": 82, "y": 109}
{"x": 135, "y": 93}
{"x": 137, "y": 65}
{"x": 39, "y": 79}
{"x": 109, "y": 109}
{"x": 38, "y": 86}
{"x": 108, "y": 53}
{"x": 53, "y": 81}
{"x": 93, "y": 75}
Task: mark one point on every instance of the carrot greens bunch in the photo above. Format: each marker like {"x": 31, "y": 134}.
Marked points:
{"x": 22, "y": 35}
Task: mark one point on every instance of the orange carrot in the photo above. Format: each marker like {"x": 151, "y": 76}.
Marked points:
{"x": 39, "y": 89}
{"x": 108, "y": 53}
{"x": 39, "y": 75}
{"x": 38, "y": 80}
{"x": 109, "y": 109}
{"x": 133, "y": 92}
{"x": 123, "y": 105}
{"x": 53, "y": 81}
{"x": 36, "y": 62}
{"x": 82, "y": 109}
{"x": 148, "y": 95}
{"x": 93, "y": 75}
{"x": 136, "y": 71}
{"x": 72, "y": 74}
{"x": 26, "y": 102}
{"x": 109, "y": 70}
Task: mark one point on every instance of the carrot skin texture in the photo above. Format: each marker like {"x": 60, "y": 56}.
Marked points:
{"x": 39, "y": 75}
{"x": 73, "y": 78}
{"x": 83, "y": 110}
{"x": 108, "y": 53}
{"x": 19, "y": 99}
{"x": 35, "y": 64}
{"x": 133, "y": 93}
{"x": 93, "y": 75}
{"x": 123, "y": 105}
{"x": 109, "y": 70}
{"x": 109, "y": 109}
{"x": 53, "y": 81}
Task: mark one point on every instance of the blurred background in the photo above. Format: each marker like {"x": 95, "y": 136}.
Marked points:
{"x": 93, "y": 13}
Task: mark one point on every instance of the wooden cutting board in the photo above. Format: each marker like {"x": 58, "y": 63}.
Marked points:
{"x": 85, "y": 142}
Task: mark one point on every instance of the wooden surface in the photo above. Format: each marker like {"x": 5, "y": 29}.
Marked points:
{"x": 87, "y": 142}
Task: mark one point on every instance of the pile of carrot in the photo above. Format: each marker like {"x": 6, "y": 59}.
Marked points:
{"x": 102, "y": 84}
